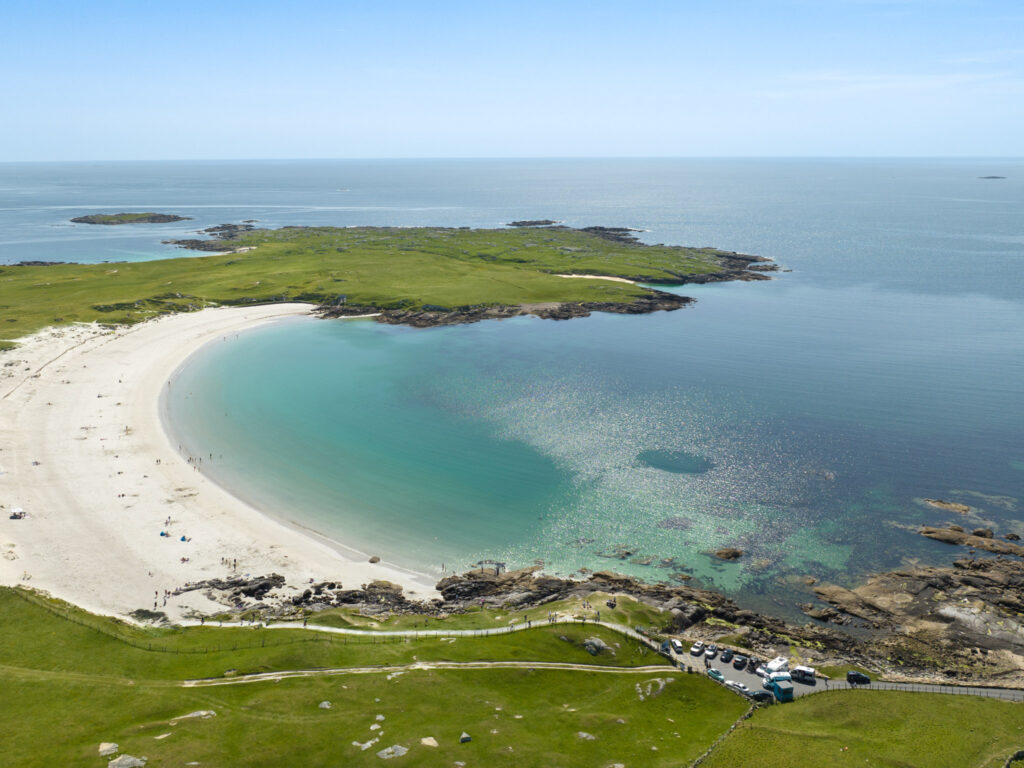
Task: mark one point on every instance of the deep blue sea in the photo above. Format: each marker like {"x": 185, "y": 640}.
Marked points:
{"x": 801, "y": 420}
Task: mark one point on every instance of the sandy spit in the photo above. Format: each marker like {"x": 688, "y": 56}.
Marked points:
{"x": 84, "y": 453}
{"x": 600, "y": 277}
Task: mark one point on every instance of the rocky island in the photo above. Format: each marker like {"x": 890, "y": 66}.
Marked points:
{"x": 129, "y": 218}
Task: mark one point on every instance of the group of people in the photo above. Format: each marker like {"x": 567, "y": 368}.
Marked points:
{"x": 166, "y": 535}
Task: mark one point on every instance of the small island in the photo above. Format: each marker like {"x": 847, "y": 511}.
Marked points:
{"x": 129, "y": 218}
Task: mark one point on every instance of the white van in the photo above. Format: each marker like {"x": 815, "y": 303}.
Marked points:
{"x": 803, "y": 674}
{"x": 778, "y": 664}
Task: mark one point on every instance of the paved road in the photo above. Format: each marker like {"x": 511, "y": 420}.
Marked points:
{"x": 752, "y": 681}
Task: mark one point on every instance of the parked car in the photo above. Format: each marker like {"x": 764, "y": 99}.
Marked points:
{"x": 698, "y": 648}
{"x": 711, "y": 651}
{"x": 761, "y": 671}
{"x": 727, "y": 655}
{"x": 737, "y": 686}
{"x": 753, "y": 663}
{"x": 762, "y": 696}
{"x": 714, "y": 674}
{"x": 677, "y": 647}
{"x": 853, "y": 677}
{"x": 740, "y": 661}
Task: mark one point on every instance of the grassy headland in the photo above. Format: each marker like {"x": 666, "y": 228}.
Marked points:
{"x": 397, "y": 269}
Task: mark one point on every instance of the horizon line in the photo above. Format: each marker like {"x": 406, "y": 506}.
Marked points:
{"x": 512, "y": 157}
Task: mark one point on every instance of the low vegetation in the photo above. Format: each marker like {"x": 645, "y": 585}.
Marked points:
{"x": 97, "y": 680}
{"x": 386, "y": 268}
{"x": 94, "y": 679}
{"x": 880, "y": 728}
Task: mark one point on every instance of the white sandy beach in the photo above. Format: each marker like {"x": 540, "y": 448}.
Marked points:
{"x": 599, "y": 277}
{"x": 83, "y": 452}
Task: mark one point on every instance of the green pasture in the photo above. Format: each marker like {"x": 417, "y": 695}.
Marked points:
{"x": 383, "y": 268}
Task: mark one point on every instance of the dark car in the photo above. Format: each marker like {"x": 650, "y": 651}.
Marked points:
{"x": 762, "y": 696}
{"x": 853, "y": 677}
{"x": 727, "y": 655}
{"x": 753, "y": 663}
{"x": 740, "y": 661}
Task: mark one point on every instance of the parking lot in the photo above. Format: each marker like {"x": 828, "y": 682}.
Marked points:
{"x": 753, "y": 682}
{"x": 748, "y": 678}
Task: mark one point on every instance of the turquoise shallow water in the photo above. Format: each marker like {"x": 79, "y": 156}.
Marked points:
{"x": 525, "y": 440}
{"x": 886, "y": 367}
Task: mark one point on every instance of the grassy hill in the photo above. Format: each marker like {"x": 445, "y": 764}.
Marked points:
{"x": 385, "y": 268}
{"x": 71, "y": 680}
{"x": 92, "y": 680}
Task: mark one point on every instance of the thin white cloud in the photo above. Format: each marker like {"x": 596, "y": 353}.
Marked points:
{"x": 989, "y": 57}
{"x": 851, "y": 83}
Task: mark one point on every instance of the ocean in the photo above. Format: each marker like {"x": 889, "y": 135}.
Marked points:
{"x": 802, "y": 420}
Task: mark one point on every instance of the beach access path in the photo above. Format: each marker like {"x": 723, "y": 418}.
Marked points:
{"x": 84, "y": 453}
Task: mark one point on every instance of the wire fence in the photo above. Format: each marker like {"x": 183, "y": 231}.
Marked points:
{"x": 1007, "y": 694}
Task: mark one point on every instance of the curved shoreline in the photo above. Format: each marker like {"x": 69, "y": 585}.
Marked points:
{"x": 84, "y": 452}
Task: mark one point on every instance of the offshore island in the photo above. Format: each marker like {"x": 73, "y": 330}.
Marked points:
{"x": 90, "y": 472}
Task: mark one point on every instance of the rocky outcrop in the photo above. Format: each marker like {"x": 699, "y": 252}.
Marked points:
{"x": 220, "y": 240}
{"x": 981, "y": 539}
{"x": 235, "y": 589}
{"x": 965, "y": 619}
{"x": 431, "y": 316}
{"x": 532, "y": 223}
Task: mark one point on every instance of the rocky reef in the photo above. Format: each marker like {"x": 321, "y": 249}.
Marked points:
{"x": 222, "y": 235}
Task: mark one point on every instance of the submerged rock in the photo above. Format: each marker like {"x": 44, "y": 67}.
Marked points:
{"x": 950, "y": 506}
{"x": 729, "y": 553}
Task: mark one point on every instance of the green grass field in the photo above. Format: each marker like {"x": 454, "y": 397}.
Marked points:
{"x": 385, "y": 268}
{"x": 877, "y": 728}
{"x": 91, "y": 679}
{"x": 71, "y": 680}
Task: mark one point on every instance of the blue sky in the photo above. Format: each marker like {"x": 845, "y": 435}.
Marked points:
{"x": 112, "y": 80}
